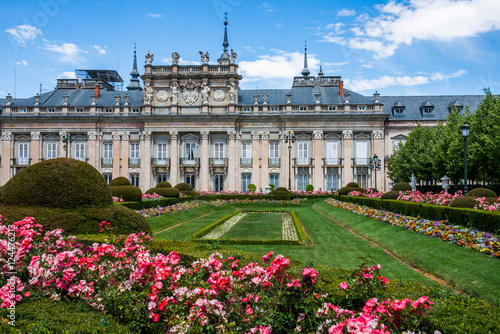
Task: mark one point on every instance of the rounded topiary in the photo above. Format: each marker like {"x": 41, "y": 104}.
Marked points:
{"x": 463, "y": 202}
{"x": 481, "y": 192}
{"x": 127, "y": 193}
{"x": 184, "y": 187}
{"x": 281, "y": 189}
{"x": 347, "y": 190}
{"x": 164, "y": 184}
{"x": 390, "y": 195}
{"x": 193, "y": 193}
{"x": 58, "y": 183}
{"x": 352, "y": 185}
{"x": 165, "y": 192}
{"x": 401, "y": 186}
{"x": 119, "y": 181}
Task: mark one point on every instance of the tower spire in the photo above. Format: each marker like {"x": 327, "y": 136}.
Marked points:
{"x": 305, "y": 71}
{"x": 134, "y": 81}
{"x": 224, "y": 58}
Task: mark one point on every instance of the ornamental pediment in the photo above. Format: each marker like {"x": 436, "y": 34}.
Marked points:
{"x": 362, "y": 136}
{"x": 190, "y": 136}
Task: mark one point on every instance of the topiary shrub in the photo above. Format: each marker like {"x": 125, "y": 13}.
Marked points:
{"x": 252, "y": 187}
{"x": 119, "y": 181}
{"x": 184, "y": 187}
{"x": 128, "y": 193}
{"x": 463, "y": 202}
{"x": 401, "y": 186}
{"x": 390, "y": 195}
{"x": 347, "y": 190}
{"x": 481, "y": 192}
{"x": 59, "y": 183}
{"x": 282, "y": 189}
{"x": 352, "y": 185}
{"x": 193, "y": 193}
{"x": 309, "y": 187}
{"x": 164, "y": 184}
{"x": 165, "y": 192}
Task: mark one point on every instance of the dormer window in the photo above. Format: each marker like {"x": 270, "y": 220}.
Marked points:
{"x": 332, "y": 108}
{"x": 457, "y": 105}
{"x": 399, "y": 110}
{"x": 246, "y": 109}
{"x": 361, "y": 108}
{"x": 22, "y": 110}
{"x": 275, "y": 109}
{"x": 51, "y": 110}
{"x": 428, "y": 110}
{"x": 109, "y": 110}
{"x": 303, "y": 109}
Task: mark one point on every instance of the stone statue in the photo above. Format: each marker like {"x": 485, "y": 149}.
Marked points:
{"x": 204, "y": 57}
{"x": 205, "y": 92}
{"x": 149, "y": 58}
{"x": 232, "y": 58}
{"x": 174, "y": 87}
{"x": 175, "y": 58}
{"x": 413, "y": 183}
{"x": 232, "y": 92}
{"x": 148, "y": 93}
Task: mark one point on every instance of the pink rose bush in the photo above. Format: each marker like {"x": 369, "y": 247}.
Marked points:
{"x": 151, "y": 196}
{"x": 369, "y": 193}
{"x": 438, "y": 199}
{"x": 153, "y": 292}
{"x": 117, "y": 199}
{"x": 482, "y": 204}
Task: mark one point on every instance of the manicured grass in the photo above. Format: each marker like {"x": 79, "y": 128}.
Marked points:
{"x": 255, "y": 225}
{"x": 465, "y": 269}
{"x": 162, "y": 222}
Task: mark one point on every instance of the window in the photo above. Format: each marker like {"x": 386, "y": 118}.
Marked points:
{"x": 303, "y": 153}
{"x": 274, "y": 154}
{"x": 332, "y": 179}
{"x": 191, "y": 179}
{"x": 23, "y": 154}
{"x": 51, "y": 150}
{"x": 51, "y": 110}
{"x": 136, "y": 110}
{"x": 275, "y": 109}
{"x": 246, "y": 179}
{"x": 332, "y": 108}
{"x": 161, "y": 178}
{"x": 302, "y": 179}
{"x": 332, "y": 153}
{"x": 246, "y": 153}
{"x": 361, "y": 152}
{"x": 399, "y": 110}
{"x": 161, "y": 152}
{"x": 362, "y": 177}
{"x": 107, "y": 154}
{"x": 134, "y": 154}
{"x": 80, "y": 151}
{"x": 109, "y": 110}
{"x": 107, "y": 177}
{"x": 428, "y": 110}
{"x": 361, "y": 108}
{"x": 23, "y": 110}
{"x": 189, "y": 151}
{"x": 274, "y": 178}
{"x": 79, "y": 110}
{"x": 303, "y": 108}
{"x": 246, "y": 109}
{"x": 218, "y": 182}
{"x": 219, "y": 150}
{"x": 134, "y": 179}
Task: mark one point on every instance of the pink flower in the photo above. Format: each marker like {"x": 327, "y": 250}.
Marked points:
{"x": 343, "y": 286}
{"x": 309, "y": 275}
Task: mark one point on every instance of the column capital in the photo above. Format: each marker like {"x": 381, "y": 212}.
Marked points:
{"x": 347, "y": 134}
{"x": 173, "y": 134}
{"x": 35, "y": 135}
{"x": 125, "y": 135}
{"x": 7, "y": 135}
{"x": 318, "y": 134}
{"x": 378, "y": 134}
{"x": 265, "y": 134}
{"x": 116, "y": 135}
{"x": 204, "y": 134}
{"x": 231, "y": 134}
{"x": 255, "y": 134}
{"x": 238, "y": 135}
{"x": 92, "y": 135}
{"x": 146, "y": 135}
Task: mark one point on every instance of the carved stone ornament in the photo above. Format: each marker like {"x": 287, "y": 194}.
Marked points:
{"x": 378, "y": 134}
{"x": 232, "y": 57}
{"x": 232, "y": 92}
{"x": 231, "y": 134}
{"x": 265, "y": 134}
{"x": 255, "y": 134}
{"x": 149, "y": 58}
{"x": 347, "y": 134}
{"x": 92, "y": 135}
{"x": 35, "y": 135}
{"x": 107, "y": 170}
{"x": 205, "y": 92}
{"x": 175, "y": 58}
{"x": 190, "y": 94}
{"x": 116, "y": 135}
{"x": 318, "y": 134}
{"x": 162, "y": 96}
{"x": 204, "y": 57}
{"x": 148, "y": 93}
{"x": 174, "y": 90}
{"x": 219, "y": 95}
{"x": 173, "y": 134}
{"x": 204, "y": 134}
{"x": 147, "y": 134}
{"x": 7, "y": 136}
{"x": 125, "y": 135}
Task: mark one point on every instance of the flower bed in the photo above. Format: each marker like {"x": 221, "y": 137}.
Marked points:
{"x": 483, "y": 242}
{"x": 158, "y": 293}
{"x": 438, "y": 199}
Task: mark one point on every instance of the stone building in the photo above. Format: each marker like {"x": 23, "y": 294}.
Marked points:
{"x": 194, "y": 124}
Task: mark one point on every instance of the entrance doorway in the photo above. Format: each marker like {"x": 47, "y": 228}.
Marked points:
{"x": 218, "y": 182}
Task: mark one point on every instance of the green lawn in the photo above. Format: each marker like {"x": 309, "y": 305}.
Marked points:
{"x": 256, "y": 226}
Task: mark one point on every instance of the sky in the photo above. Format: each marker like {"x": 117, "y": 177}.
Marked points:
{"x": 412, "y": 47}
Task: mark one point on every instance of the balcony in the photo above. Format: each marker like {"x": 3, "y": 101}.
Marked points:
{"x": 302, "y": 161}
{"x": 194, "y": 162}
{"x": 158, "y": 162}
{"x": 134, "y": 161}
{"x": 246, "y": 161}
{"x": 274, "y": 161}
{"x": 106, "y": 161}
{"x": 360, "y": 161}
{"x": 332, "y": 161}
{"x": 21, "y": 161}
{"x": 218, "y": 162}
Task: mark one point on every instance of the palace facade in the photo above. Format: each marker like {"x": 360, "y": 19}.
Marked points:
{"x": 194, "y": 124}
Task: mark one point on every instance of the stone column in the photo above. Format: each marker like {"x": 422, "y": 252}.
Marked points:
{"x": 284, "y": 162}
{"x": 347, "y": 149}
{"x": 35, "y": 147}
{"x": 146, "y": 171}
{"x": 204, "y": 161}
{"x": 6, "y": 156}
{"x": 125, "y": 154}
{"x": 378, "y": 136}
{"x": 174, "y": 159}
{"x": 116, "y": 154}
{"x": 237, "y": 167}
{"x": 61, "y": 153}
{"x": 231, "y": 162}
{"x": 255, "y": 159}
{"x": 92, "y": 149}
{"x": 318, "y": 144}
{"x": 265, "y": 159}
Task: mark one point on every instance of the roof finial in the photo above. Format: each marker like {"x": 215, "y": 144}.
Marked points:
{"x": 305, "y": 71}
{"x": 224, "y": 58}
{"x": 321, "y": 70}
{"x": 134, "y": 81}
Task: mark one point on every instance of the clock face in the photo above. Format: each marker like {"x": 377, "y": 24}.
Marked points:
{"x": 219, "y": 95}
{"x": 162, "y": 96}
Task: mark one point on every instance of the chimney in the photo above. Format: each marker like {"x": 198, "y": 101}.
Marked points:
{"x": 97, "y": 91}
{"x": 341, "y": 88}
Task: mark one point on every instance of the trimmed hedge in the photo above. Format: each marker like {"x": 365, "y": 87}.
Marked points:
{"x": 184, "y": 187}
{"x": 119, "y": 181}
{"x": 207, "y": 229}
{"x": 151, "y": 203}
{"x": 482, "y": 220}
{"x": 481, "y": 192}
{"x": 165, "y": 192}
{"x": 127, "y": 193}
{"x": 164, "y": 184}
{"x": 390, "y": 195}
{"x": 401, "y": 186}
{"x": 352, "y": 185}
{"x": 298, "y": 226}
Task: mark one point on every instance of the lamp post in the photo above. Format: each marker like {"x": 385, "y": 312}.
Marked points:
{"x": 375, "y": 166}
{"x": 289, "y": 139}
{"x": 465, "y": 133}
{"x": 66, "y": 139}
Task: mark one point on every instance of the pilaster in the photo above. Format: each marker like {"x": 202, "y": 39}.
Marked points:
{"x": 91, "y": 148}
{"x": 35, "y": 147}
{"x": 347, "y": 153}
{"x": 174, "y": 160}
{"x": 378, "y": 136}
{"x": 265, "y": 159}
{"x": 232, "y": 171}
{"x": 318, "y": 141}
{"x": 6, "y": 156}
{"x": 125, "y": 154}
{"x": 146, "y": 171}
{"x": 204, "y": 161}
{"x": 116, "y": 154}
{"x": 255, "y": 159}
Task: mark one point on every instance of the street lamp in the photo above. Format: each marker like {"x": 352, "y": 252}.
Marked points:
{"x": 289, "y": 139}
{"x": 465, "y": 133}
{"x": 374, "y": 166}
{"x": 66, "y": 139}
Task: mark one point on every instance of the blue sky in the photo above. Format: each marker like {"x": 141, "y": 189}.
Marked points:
{"x": 415, "y": 47}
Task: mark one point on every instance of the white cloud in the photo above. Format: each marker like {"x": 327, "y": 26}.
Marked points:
{"x": 67, "y": 75}
{"x": 346, "y": 12}
{"x": 281, "y": 65}
{"x": 24, "y": 33}
{"x": 343, "y": 63}
{"x": 22, "y": 62}
{"x": 336, "y": 27}
{"x": 154, "y": 15}
{"x": 102, "y": 50}
{"x": 387, "y": 81}
{"x": 249, "y": 49}
{"x": 331, "y": 38}
{"x": 68, "y": 52}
